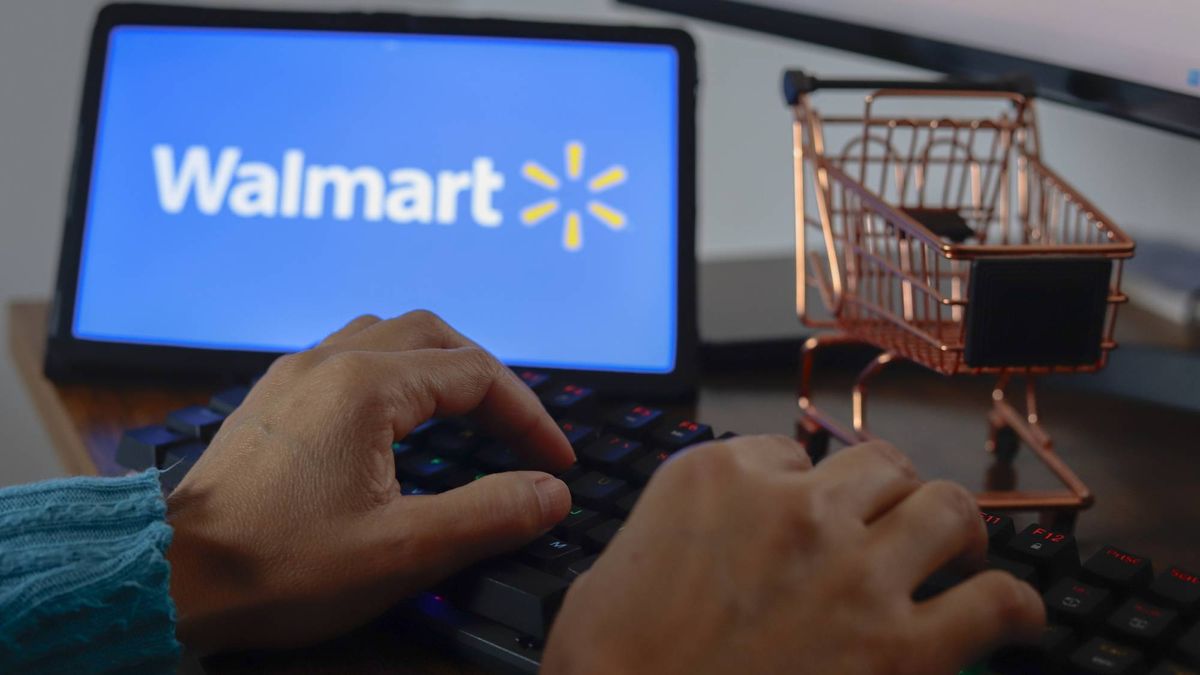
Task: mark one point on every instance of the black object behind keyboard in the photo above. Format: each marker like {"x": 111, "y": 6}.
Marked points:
{"x": 1111, "y": 615}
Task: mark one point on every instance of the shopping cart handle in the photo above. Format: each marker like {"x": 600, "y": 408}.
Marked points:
{"x": 798, "y": 82}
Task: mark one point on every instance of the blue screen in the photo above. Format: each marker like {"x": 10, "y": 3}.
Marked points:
{"x": 254, "y": 189}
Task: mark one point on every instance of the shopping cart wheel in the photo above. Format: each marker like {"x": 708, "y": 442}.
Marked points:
{"x": 1059, "y": 521}
{"x": 814, "y": 438}
{"x": 1004, "y": 444}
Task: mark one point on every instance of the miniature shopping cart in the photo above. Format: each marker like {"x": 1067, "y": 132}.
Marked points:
{"x": 947, "y": 242}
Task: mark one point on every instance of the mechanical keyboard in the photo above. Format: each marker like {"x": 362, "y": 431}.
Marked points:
{"x": 1114, "y": 613}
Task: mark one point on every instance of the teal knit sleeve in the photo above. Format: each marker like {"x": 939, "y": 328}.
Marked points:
{"x": 84, "y": 578}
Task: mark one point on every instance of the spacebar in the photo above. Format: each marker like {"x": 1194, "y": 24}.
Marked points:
{"x": 512, "y": 594}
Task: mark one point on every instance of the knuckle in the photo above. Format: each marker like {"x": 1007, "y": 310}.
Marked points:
{"x": 425, "y": 321}
{"x": 888, "y": 453}
{"x": 703, "y": 464}
{"x": 957, "y": 502}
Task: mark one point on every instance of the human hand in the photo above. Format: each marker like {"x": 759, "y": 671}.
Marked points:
{"x": 742, "y": 558}
{"x": 291, "y": 527}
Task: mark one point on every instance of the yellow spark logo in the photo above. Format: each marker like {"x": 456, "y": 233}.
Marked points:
{"x": 611, "y": 177}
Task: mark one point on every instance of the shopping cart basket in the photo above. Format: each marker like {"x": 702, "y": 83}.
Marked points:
{"x": 947, "y": 242}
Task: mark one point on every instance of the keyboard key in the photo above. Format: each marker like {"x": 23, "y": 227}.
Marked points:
{"x": 940, "y": 581}
{"x": 1188, "y": 646}
{"x": 597, "y": 491}
{"x": 1019, "y": 570}
{"x": 516, "y": 595}
{"x": 1053, "y": 554}
{"x": 1117, "y": 569}
{"x": 999, "y": 528}
{"x": 1043, "y": 658}
{"x": 580, "y": 566}
{"x": 625, "y": 504}
{"x": 611, "y": 452}
{"x": 1142, "y": 623}
{"x": 177, "y": 461}
{"x": 645, "y": 467}
{"x": 1178, "y": 588}
{"x": 574, "y": 473}
{"x": 578, "y": 435}
{"x": 424, "y": 466}
{"x": 1104, "y": 657}
{"x": 569, "y": 398}
{"x": 578, "y": 521}
{"x": 1074, "y": 602}
{"x": 680, "y": 435}
{"x": 143, "y": 448}
{"x": 422, "y": 431}
{"x": 634, "y": 420}
{"x": 551, "y": 554}
{"x": 496, "y": 458}
{"x": 453, "y": 441}
{"x": 225, "y": 402}
{"x": 533, "y": 379}
{"x": 1056, "y": 642}
{"x": 599, "y": 536}
{"x": 196, "y": 421}
{"x": 409, "y": 488}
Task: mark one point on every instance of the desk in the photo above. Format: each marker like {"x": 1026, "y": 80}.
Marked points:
{"x": 1139, "y": 459}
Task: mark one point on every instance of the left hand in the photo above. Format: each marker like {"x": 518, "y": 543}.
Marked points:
{"x": 291, "y": 527}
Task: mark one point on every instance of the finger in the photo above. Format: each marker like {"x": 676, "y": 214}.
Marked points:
{"x": 770, "y": 452}
{"x": 356, "y": 325}
{"x": 936, "y": 524}
{"x": 484, "y": 518}
{"x": 416, "y": 385}
{"x": 419, "y": 329}
{"x": 985, "y": 612}
{"x": 866, "y": 480}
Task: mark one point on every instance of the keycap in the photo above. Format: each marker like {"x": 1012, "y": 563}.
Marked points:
{"x": 999, "y": 528}
{"x": 424, "y": 466}
{"x": 225, "y": 402}
{"x": 573, "y": 473}
{"x": 496, "y": 457}
{"x": 597, "y": 491}
{"x": 1074, "y": 602}
{"x": 177, "y": 461}
{"x": 1188, "y": 646}
{"x": 453, "y": 441}
{"x": 611, "y": 452}
{"x": 578, "y": 521}
{"x": 1053, "y": 554}
{"x": 1055, "y": 646}
{"x": 1019, "y": 570}
{"x": 645, "y": 467}
{"x": 551, "y": 554}
{"x": 1105, "y": 657}
{"x": 1142, "y": 623}
{"x": 1117, "y": 569}
{"x": 1178, "y": 588}
{"x": 533, "y": 379}
{"x": 625, "y": 504}
{"x": 410, "y": 488}
{"x": 580, "y": 566}
{"x": 143, "y": 448}
{"x": 195, "y": 421}
{"x": 634, "y": 420}
{"x": 568, "y": 398}
{"x": 599, "y": 536}
{"x": 511, "y": 593}
{"x": 940, "y": 581}
{"x": 680, "y": 435}
{"x": 578, "y": 435}
{"x": 420, "y": 432}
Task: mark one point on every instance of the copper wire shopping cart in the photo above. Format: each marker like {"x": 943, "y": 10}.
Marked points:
{"x": 947, "y": 242}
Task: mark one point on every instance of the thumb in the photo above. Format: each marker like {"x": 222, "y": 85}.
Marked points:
{"x": 489, "y": 516}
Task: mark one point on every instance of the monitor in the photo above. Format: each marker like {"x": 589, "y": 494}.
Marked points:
{"x": 1138, "y": 61}
{"x": 247, "y": 182}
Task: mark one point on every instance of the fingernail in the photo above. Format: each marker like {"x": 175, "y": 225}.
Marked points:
{"x": 554, "y": 498}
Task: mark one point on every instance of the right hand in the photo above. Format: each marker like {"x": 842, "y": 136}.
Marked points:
{"x": 742, "y": 558}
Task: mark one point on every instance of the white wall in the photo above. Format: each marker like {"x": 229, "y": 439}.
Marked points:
{"x": 1146, "y": 179}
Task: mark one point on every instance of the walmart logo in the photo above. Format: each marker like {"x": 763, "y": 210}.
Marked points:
{"x": 228, "y": 182}
{"x": 572, "y": 237}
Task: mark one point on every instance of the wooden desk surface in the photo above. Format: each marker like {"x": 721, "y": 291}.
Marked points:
{"x": 1141, "y": 460}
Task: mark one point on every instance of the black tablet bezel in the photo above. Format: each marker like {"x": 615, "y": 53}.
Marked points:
{"x": 68, "y": 357}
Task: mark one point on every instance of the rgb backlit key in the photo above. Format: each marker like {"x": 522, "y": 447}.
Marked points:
{"x": 634, "y": 419}
{"x": 1052, "y": 553}
{"x": 611, "y": 452}
{"x": 1119, "y": 569}
{"x": 567, "y": 398}
{"x": 999, "y": 528}
{"x": 1074, "y": 602}
{"x": 1178, "y": 588}
{"x": 1142, "y": 622}
{"x": 1104, "y": 657}
{"x": 681, "y": 434}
